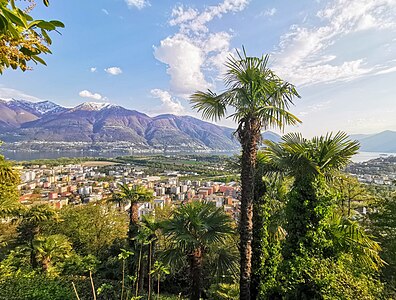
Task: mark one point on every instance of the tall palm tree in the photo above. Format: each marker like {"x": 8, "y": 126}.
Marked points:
{"x": 135, "y": 194}
{"x": 195, "y": 230}
{"x": 310, "y": 163}
{"x": 258, "y": 99}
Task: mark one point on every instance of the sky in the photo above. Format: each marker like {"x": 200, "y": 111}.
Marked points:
{"x": 150, "y": 55}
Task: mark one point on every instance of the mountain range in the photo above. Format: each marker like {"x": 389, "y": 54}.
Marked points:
{"x": 47, "y": 126}
{"x": 94, "y": 125}
{"x": 384, "y": 141}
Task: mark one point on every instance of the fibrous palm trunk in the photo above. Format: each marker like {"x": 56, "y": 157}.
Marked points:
{"x": 133, "y": 224}
{"x": 260, "y": 236}
{"x": 249, "y": 135}
{"x": 132, "y": 233}
{"x": 195, "y": 260}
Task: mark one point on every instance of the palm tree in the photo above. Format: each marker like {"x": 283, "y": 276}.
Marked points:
{"x": 30, "y": 226}
{"x": 195, "y": 230}
{"x": 310, "y": 163}
{"x": 349, "y": 236}
{"x": 259, "y": 100}
{"x": 119, "y": 200}
{"x": 50, "y": 249}
{"x": 134, "y": 195}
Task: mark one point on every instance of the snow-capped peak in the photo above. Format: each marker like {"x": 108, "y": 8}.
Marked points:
{"x": 37, "y": 108}
{"x": 96, "y": 106}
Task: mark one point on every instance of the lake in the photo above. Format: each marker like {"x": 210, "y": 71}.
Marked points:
{"x": 28, "y": 155}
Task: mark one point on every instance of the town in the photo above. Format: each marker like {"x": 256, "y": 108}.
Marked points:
{"x": 95, "y": 181}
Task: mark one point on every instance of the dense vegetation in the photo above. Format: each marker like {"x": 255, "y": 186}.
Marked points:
{"x": 310, "y": 241}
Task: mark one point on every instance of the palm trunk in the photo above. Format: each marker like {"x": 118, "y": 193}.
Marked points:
{"x": 260, "y": 236}
{"x": 195, "y": 274}
{"x": 138, "y": 275}
{"x": 249, "y": 135}
{"x": 133, "y": 224}
{"x": 45, "y": 263}
{"x": 158, "y": 286}
{"x": 123, "y": 279}
{"x": 149, "y": 271}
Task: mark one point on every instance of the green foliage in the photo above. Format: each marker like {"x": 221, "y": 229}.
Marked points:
{"x": 23, "y": 39}
{"x": 33, "y": 286}
{"x": 9, "y": 195}
{"x": 253, "y": 91}
{"x": 223, "y": 291}
{"x": 50, "y": 250}
{"x": 197, "y": 224}
{"x": 92, "y": 229}
{"x": 382, "y": 223}
{"x": 311, "y": 277}
{"x": 195, "y": 232}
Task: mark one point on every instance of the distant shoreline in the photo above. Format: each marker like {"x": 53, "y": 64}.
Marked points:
{"x": 366, "y": 156}
{"x": 28, "y": 155}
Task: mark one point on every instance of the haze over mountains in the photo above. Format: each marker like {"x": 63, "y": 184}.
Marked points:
{"x": 94, "y": 125}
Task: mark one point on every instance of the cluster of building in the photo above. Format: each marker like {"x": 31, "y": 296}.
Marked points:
{"x": 80, "y": 184}
{"x": 380, "y": 171}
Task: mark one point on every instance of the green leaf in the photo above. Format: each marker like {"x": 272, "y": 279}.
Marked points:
{"x": 38, "y": 59}
{"x": 46, "y": 25}
{"x": 46, "y": 36}
{"x": 14, "y": 18}
{"x": 3, "y": 23}
{"x": 46, "y": 2}
{"x": 57, "y": 23}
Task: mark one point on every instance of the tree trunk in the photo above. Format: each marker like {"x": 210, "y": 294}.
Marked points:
{"x": 45, "y": 263}
{"x": 260, "y": 236}
{"x": 133, "y": 224}
{"x": 195, "y": 274}
{"x": 249, "y": 135}
{"x": 158, "y": 286}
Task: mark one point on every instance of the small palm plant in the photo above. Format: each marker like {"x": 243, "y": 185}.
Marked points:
{"x": 159, "y": 269}
{"x": 50, "y": 249}
{"x": 134, "y": 195}
{"x": 123, "y": 256}
{"x": 196, "y": 229}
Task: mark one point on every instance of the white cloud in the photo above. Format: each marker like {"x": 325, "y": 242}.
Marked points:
{"x": 139, "y": 4}
{"x": 304, "y": 54}
{"x": 8, "y": 94}
{"x": 93, "y": 69}
{"x": 192, "y": 20}
{"x": 315, "y": 108}
{"x": 169, "y": 104}
{"x": 194, "y": 53}
{"x": 105, "y": 11}
{"x": 184, "y": 59}
{"x": 386, "y": 71}
{"x": 88, "y": 94}
{"x": 268, "y": 12}
{"x": 113, "y": 71}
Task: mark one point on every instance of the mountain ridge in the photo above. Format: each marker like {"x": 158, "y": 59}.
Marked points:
{"x": 95, "y": 123}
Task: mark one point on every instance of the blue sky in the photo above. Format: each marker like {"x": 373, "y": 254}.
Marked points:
{"x": 151, "y": 55}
